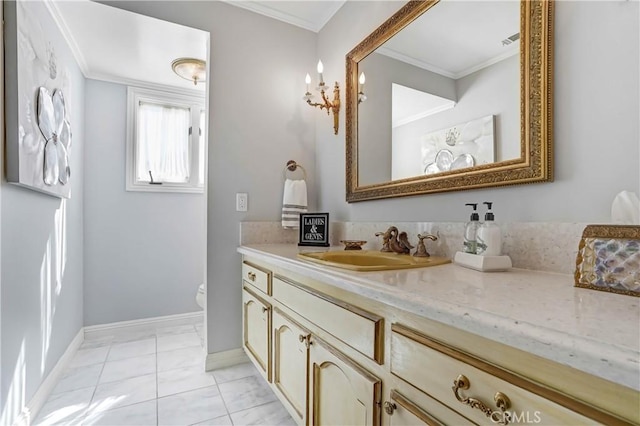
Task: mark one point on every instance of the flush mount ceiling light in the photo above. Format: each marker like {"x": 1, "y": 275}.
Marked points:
{"x": 190, "y": 69}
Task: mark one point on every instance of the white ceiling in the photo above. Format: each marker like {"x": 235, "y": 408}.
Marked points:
{"x": 116, "y": 45}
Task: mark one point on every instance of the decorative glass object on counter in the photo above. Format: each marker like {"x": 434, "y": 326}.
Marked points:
{"x": 609, "y": 259}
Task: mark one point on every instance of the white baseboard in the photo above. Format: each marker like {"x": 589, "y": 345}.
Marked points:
{"x": 34, "y": 406}
{"x": 223, "y": 359}
{"x": 96, "y": 331}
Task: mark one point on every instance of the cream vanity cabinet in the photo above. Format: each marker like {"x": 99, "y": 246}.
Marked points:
{"x": 313, "y": 378}
{"x": 340, "y": 391}
{"x": 256, "y": 317}
{"x": 317, "y": 382}
{"x": 290, "y": 364}
{"x": 332, "y": 361}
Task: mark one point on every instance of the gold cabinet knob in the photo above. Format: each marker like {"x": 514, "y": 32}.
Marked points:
{"x": 306, "y": 339}
{"x": 264, "y": 309}
{"x": 389, "y": 407}
{"x": 251, "y": 276}
{"x": 502, "y": 401}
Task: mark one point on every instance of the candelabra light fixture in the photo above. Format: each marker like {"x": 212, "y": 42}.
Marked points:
{"x": 361, "y": 96}
{"x": 330, "y": 106}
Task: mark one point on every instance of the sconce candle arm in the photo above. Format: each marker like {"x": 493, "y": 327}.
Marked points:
{"x": 330, "y": 106}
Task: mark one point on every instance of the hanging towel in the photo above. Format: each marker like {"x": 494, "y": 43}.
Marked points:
{"x": 294, "y": 202}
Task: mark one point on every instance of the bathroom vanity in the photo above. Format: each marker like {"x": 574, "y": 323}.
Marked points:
{"x": 438, "y": 345}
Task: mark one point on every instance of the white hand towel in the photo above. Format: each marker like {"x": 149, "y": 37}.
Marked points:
{"x": 294, "y": 202}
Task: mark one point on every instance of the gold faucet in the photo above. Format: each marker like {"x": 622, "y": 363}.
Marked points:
{"x": 386, "y": 238}
{"x": 394, "y": 241}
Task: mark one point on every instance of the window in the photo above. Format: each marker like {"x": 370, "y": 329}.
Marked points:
{"x": 165, "y": 142}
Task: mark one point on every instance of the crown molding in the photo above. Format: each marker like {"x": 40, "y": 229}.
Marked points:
{"x": 68, "y": 36}
{"x": 262, "y": 8}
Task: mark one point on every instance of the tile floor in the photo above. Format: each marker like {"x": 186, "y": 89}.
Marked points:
{"x": 157, "y": 377}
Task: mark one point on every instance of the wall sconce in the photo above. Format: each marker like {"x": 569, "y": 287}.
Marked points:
{"x": 190, "y": 69}
{"x": 325, "y": 104}
{"x": 361, "y": 96}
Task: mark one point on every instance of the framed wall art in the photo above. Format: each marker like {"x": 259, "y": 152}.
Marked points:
{"x": 37, "y": 85}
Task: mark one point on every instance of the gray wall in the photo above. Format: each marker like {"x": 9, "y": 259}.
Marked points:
{"x": 258, "y": 121}
{"x": 596, "y": 113}
{"x": 42, "y": 265}
{"x": 144, "y": 251}
{"x": 375, "y": 126}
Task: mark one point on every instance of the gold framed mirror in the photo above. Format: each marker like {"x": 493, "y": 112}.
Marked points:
{"x": 463, "y": 135}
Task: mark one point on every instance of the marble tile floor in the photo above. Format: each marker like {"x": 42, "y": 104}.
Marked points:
{"x": 157, "y": 377}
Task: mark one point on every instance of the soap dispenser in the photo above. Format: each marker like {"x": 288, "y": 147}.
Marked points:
{"x": 489, "y": 236}
{"x": 471, "y": 230}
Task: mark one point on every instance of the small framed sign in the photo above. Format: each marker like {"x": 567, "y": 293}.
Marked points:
{"x": 314, "y": 229}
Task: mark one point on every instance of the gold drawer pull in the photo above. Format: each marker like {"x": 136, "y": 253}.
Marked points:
{"x": 502, "y": 401}
{"x": 390, "y": 407}
{"x": 251, "y": 276}
{"x": 264, "y": 309}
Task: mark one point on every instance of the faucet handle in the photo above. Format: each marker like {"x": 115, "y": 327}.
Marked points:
{"x": 421, "y": 251}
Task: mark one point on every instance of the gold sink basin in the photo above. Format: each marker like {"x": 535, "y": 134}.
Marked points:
{"x": 368, "y": 260}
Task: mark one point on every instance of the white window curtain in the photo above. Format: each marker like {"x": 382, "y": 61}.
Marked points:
{"x": 163, "y": 143}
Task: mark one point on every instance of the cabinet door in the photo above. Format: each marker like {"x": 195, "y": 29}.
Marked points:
{"x": 290, "y": 362}
{"x": 341, "y": 392}
{"x": 256, "y": 321}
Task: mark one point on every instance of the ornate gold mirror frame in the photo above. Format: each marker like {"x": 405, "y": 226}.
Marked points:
{"x": 536, "y": 113}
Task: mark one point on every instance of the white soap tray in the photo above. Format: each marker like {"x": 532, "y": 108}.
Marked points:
{"x": 483, "y": 263}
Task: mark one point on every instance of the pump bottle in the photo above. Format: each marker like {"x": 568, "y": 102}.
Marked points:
{"x": 489, "y": 236}
{"x": 471, "y": 230}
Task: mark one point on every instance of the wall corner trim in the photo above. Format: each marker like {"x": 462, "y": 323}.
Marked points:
{"x": 223, "y": 359}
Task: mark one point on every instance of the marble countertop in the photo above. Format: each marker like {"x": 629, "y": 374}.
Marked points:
{"x": 538, "y": 312}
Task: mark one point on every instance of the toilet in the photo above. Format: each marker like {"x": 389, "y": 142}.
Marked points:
{"x": 200, "y": 296}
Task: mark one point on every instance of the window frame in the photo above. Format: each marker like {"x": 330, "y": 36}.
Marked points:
{"x": 195, "y": 104}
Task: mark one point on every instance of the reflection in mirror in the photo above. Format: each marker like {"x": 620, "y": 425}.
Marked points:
{"x": 450, "y": 84}
{"x": 444, "y": 83}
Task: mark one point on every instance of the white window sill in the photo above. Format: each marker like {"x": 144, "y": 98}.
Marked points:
{"x": 165, "y": 187}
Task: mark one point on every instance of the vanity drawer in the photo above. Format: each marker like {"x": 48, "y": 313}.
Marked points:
{"x": 257, "y": 277}
{"x": 423, "y": 410}
{"x": 433, "y": 367}
{"x": 357, "y": 328}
